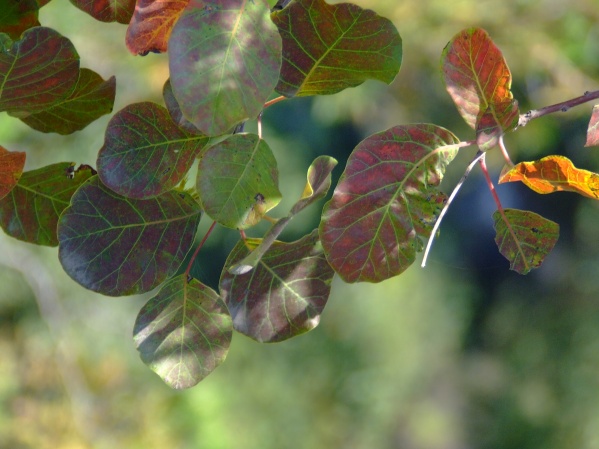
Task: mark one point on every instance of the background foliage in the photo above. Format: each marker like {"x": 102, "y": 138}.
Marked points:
{"x": 461, "y": 354}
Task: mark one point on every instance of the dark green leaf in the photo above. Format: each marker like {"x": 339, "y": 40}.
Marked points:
{"x": 31, "y": 210}
{"x": 224, "y": 60}
{"x": 120, "y": 246}
{"x": 107, "y": 10}
{"x": 284, "y": 295}
{"x": 184, "y": 332}
{"x": 328, "y": 48}
{"x": 16, "y": 16}
{"x": 145, "y": 154}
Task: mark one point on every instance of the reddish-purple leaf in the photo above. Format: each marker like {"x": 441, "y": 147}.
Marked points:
{"x": 119, "y": 246}
{"x": 386, "y": 202}
{"x": 328, "y": 48}
{"x": 238, "y": 181}
{"x": 37, "y": 71}
{"x": 184, "y": 332}
{"x": 92, "y": 98}
{"x": 593, "y": 128}
{"x": 107, "y": 10}
{"x": 11, "y": 169}
{"x": 151, "y": 25}
{"x": 479, "y": 80}
{"x": 284, "y": 295}
{"x": 145, "y": 154}
{"x": 175, "y": 111}
{"x": 224, "y": 59}
{"x": 16, "y": 16}
{"x": 525, "y": 239}
{"x": 31, "y": 210}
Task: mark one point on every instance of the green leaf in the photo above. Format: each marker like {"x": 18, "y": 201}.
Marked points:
{"x": 42, "y": 58}
{"x": 328, "y": 48}
{"x": 224, "y": 60}
{"x": 238, "y": 181}
{"x": 175, "y": 111}
{"x": 16, "y": 16}
{"x": 184, "y": 332}
{"x": 286, "y": 293}
{"x": 525, "y": 239}
{"x": 107, "y": 10}
{"x": 31, "y": 210}
{"x": 145, "y": 154}
{"x": 11, "y": 169}
{"x": 386, "y": 202}
{"x": 119, "y": 246}
{"x": 479, "y": 80}
{"x": 92, "y": 98}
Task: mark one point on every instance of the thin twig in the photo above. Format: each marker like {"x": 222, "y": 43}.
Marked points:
{"x": 504, "y": 151}
{"x": 195, "y": 254}
{"x": 558, "y": 107}
{"x": 456, "y": 189}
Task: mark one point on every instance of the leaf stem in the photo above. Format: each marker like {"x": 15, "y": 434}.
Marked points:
{"x": 195, "y": 254}
{"x": 504, "y": 151}
{"x": 273, "y": 101}
{"x": 479, "y": 156}
{"x": 558, "y": 107}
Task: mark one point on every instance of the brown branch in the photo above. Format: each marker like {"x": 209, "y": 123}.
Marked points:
{"x": 558, "y": 107}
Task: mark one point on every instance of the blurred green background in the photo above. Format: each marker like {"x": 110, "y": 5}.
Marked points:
{"x": 461, "y": 354}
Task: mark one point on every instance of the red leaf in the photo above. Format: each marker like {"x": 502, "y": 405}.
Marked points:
{"x": 593, "y": 128}
{"x": 11, "y": 169}
{"x": 151, "y": 25}
{"x": 16, "y": 16}
{"x": 478, "y": 79}
{"x": 107, "y": 10}
{"x": 42, "y": 58}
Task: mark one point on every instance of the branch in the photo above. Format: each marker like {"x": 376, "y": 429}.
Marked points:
{"x": 558, "y": 107}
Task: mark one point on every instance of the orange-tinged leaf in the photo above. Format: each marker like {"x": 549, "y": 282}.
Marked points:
{"x": 554, "y": 174}
{"x": 11, "y": 169}
{"x": 593, "y": 129}
{"x": 151, "y": 25}
{"x": 478, "y": 79}
{"x": 524, "y": 238}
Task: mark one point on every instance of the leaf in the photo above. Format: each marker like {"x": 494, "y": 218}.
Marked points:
{"x": 42, "y": 58}
{"x": 11, "y": 169}
{"x": 553, "y": 174}
{"x": 107, "y": 10}
{"x": 184, "y": 332}
{"x": 286, "y": 293}
{"x": 16, "y": 16}
{"x": 224, "y": 60}
{"x": 525, "y": 239}
{"x": 479, "y": 80}
{"x": 174, "y": 111}
{"x": 151, "y": 25}
{"x": 319, "y": 182}
{"x": 92, "y": 98}
{"x": 238, "y": 181}
{"x": 145, "y": 154}
{"x": 119, "y": 246}
{"x": 31, "y": 210}
{"x": 386, "y": 202}
{"x": 328, "y": 48}
{"x": 593, "y": 128}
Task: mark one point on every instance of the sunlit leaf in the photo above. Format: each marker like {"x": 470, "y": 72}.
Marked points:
{"x": 31, "y": 210}
{"x": 16, "y": 16}
{"x": 593, "y": 128}
{"x": 107, "y": 10}
{"x": 284, "y": 295}
{"x": 42, "y": 58}
{"x": 184, "y": 332}
{"x": 224, "y": 60}
{"x": 119, "y": 246}
{"x": 328, "y": 48}
{"x": 525, "y": 239}
{"x": 478, "y": 79}
{"x": 553, "y": 174}
{"x": 386, "y": 202}
{"x": 145, "y": 154}
{"x": 175, "y": 111}
{"x": 319, "y": 182}
{"x": 11, "y": 169}
{"x": 238, "y": 181}
{"x": 92, "y": 98}
{"x": 151, "y": 25}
